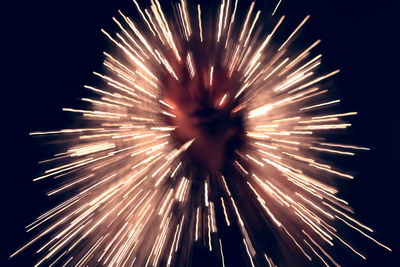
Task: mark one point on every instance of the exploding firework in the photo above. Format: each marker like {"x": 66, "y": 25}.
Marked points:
{"x": 202, "y": 124}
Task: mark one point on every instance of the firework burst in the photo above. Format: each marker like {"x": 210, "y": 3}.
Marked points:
{"x": 202, "y": 124}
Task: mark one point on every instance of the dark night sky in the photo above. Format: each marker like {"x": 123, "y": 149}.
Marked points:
{"x": 51, "y": 48}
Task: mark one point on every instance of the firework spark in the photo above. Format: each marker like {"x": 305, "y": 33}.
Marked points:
{"x": 202, "y": 123}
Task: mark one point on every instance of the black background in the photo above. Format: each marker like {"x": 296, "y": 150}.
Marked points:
{"x": 51, "y": 48}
